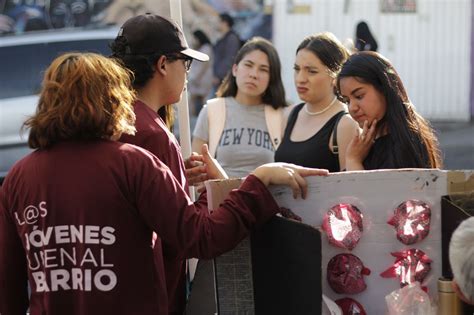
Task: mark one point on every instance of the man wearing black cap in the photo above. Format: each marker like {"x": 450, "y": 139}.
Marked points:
{"x": 155, "y": 50}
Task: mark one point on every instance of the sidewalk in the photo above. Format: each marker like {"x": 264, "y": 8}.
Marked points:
{"x": 457, "y": 144}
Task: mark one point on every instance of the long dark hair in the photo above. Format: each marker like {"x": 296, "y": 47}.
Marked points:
{"x": 142, "y": 68}
{"x": 412, "y": 137}
{"x": 364, "y": 37}
{"x": 201, "y": 37}
{"x": 274, "y": 95}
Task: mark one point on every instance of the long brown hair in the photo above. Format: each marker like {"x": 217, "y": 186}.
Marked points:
{"x": 84, "y": 96}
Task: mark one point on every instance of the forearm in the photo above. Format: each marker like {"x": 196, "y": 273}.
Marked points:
{"x": 354, "y": 165}
{"x": 244, "y": 208}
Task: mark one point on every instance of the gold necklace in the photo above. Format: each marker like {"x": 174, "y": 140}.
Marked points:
{"x": 321, "y": 111}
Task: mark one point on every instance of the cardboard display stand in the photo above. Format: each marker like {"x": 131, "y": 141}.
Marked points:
{"x": 376, "y": 194}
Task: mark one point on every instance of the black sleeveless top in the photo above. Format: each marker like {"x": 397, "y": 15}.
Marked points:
{"x": 313, "y": 152}
{"x": 381, "y": 155}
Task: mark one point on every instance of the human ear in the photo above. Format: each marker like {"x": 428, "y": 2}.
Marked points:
{"x": 234, "y": 69}
{"x": 161, "y": 65}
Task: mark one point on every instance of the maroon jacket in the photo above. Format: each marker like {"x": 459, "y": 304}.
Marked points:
{"x": 153, "y": 135}
{"x": 77, "y": 220}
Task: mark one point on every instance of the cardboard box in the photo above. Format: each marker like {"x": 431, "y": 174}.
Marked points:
{"x": 454, "y": 209}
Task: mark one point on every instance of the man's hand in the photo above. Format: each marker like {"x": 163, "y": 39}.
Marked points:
{"x": 201, "y": 167}
{"x": 195, "y": 169}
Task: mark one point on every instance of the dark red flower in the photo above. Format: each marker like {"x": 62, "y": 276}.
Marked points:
{"x": 345, "y": 274}
{"x": 350, "y": 306}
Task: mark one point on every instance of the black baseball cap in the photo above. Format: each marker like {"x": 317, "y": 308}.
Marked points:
{"x": 150, "y": 33}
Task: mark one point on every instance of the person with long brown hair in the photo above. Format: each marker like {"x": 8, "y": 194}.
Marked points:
{"x": 77, "y": 215}
{"x": 63, "y": 104}
{"x": 243, "y": 125}
{"x": 393, "y": 134}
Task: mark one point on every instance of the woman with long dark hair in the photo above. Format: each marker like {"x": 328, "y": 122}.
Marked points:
{"x": 365, "y": 41}
{"x": 393, "y": 134}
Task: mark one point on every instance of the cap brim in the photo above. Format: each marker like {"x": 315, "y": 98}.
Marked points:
{"x": 195, "y": 54}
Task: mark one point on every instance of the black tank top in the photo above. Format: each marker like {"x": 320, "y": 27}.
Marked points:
{"x": 313, "y": 152}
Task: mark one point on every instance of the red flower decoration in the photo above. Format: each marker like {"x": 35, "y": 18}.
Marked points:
{"x": 345, "y": 274}
{"x": 410, "y": 265}
{"x": 350, "y": 306}
{"x": 343, "y": 225}
{"x": 411, "y": 220}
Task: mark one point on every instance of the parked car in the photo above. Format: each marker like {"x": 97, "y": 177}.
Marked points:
{"x": 23, "y": 60}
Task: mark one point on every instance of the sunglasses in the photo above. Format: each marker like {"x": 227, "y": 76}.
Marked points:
{"x": 187, "y": 60}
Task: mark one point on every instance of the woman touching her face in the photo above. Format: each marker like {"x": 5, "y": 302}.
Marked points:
{"x": 393, "y": 134}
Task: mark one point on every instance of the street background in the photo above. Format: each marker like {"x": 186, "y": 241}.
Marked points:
{"x": 457, "y": 144}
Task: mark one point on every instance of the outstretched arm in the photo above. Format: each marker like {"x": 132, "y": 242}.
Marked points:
{"x": 195, "y": 233}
